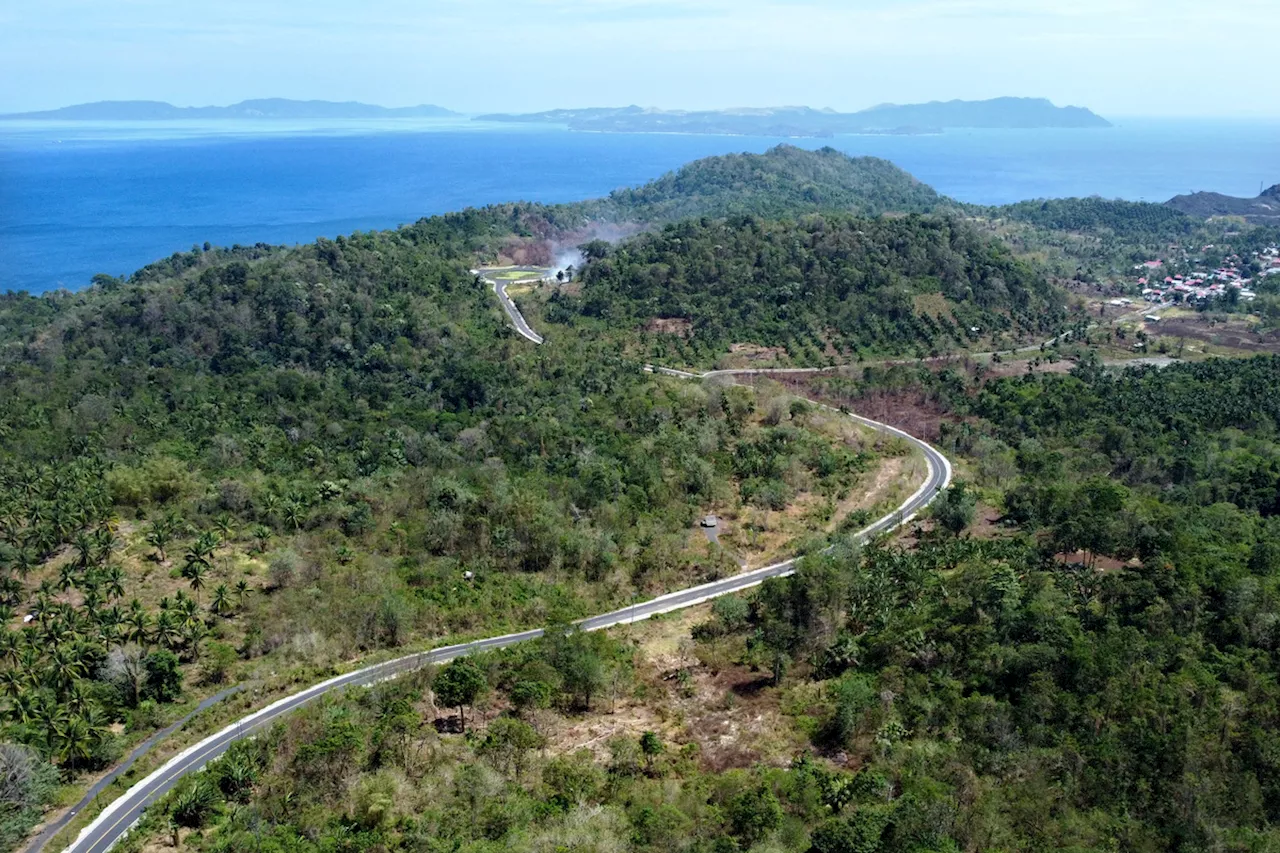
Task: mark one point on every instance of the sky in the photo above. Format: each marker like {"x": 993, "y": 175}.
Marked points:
{"x": 1117, "y": 57}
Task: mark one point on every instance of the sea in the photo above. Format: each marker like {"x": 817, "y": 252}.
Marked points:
{"x": 78, "y": 199}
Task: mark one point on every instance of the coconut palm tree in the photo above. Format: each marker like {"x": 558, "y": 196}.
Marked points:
{"x": 159, "y": 537}
{"x": 270, "y": 507}
{"x": 137, "y": 624}
{"x": 107, "y": 543}
{"x": 92, "y": 600}
{"x": 65, "y": 666}
{"x": 68, "y": 574}
{"x": 113, "y": 582}
{"x": 186, "y": 608}
{"x": 77, "y": 698}
{"x": 13, "y": 683}
{"x": 86, "y": 550}
{"x": 193, "y": 634}
{"x": 195, "y": 574}
{"x": 109, "y": 620}
{"x": 261, "y": 538}
{"x": 24, "y": 560}
{"x": 221, "y": 603}
{"x": 166, "y": 632}
{"x": 10, "y": 646}
{"x": 225, "y": 526}
{"x": 294, "y": 515}
{"x": 75, "y": 738}
{"x": 10, "y": 589}
{"x": 202, "y": 548}
{"x": 22, "y": 706}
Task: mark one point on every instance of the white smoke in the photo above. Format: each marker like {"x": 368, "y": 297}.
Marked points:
{"x": 566, "y": 258}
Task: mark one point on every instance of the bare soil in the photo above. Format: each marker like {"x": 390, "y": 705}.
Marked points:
{"x": 752, "y": 355}
{"x": 1101, "y": 562}
{"x": 729, "y": 710}
{"x": 670, "y": 326}
{"x": 1232, "y": 334}
{"x": 908, "y": 410}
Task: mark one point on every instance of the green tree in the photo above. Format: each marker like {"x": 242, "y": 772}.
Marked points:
{"x": 651, "y": 747}
{"x": 508, "y": 742}
{"x": 753, "y": 813}
{"x": 459, "y": 684}
{"x": 217, "y": 661}
{"x": 954, "y": 508}
{"x": 528, "y": 694}
{"x": 220, "y": 604}
{"x": 163, "y": 676}
{"x": 576, "y": 656}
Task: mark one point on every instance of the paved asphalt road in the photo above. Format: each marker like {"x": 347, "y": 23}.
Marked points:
{"x": 123, "y": 767}
{"x": 517, "y": 319}
{"x": 121, "y": 814}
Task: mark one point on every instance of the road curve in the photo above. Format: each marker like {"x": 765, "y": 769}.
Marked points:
{"x": 517, "y": 319}
{"x": 116, "y": 819}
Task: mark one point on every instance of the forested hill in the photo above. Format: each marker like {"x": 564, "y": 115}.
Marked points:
{"x": 1097, "y": 215}
{"x": 783, "y": 181}
{"x": 858, "y": 285}
{"x": 1264, "y": 208}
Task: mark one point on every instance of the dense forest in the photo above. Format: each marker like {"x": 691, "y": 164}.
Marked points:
{"x": 955, "y": 692}
{"x": 781, "y": 182}
{"x": 824, "y": 287}
{"x": 268, "y": 463}
{"x": 1126, "y": 219}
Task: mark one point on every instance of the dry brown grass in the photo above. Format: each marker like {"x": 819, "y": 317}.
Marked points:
{"x": 729, "y": 710}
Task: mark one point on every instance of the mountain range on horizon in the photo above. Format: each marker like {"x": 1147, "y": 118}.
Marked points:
{"x": 763, "y": 121}
{"x": 260, "y": 108}
{"x": 932, "y": 117}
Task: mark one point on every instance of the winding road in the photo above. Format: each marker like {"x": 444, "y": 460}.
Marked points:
{"x": 116, "y": 819}
{"x": 517, "y": 319}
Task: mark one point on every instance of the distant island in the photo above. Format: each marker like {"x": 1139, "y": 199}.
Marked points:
{"x": 1265, "y": 207}
{"x": 807, "y": 121}
{"x": 261, "y": 108}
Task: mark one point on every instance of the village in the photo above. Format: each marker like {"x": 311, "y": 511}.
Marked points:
{"x": 1232, "y": 281}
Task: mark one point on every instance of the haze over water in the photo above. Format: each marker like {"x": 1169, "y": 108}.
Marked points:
{"x": 78, "y": 199}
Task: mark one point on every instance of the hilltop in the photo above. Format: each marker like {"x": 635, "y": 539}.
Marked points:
{"x": 261, "y": 108}
{"x": 1265, "y": 206}
{"x": 785, "y": 180}
{"x": 807, "y": 121}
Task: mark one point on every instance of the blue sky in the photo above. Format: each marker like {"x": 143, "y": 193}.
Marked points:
{"x": 1119, "y": 57}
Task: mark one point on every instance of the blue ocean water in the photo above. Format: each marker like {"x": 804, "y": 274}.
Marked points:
{"x": 76, "y": 200}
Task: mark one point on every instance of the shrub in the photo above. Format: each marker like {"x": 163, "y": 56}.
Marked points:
{"x": 282, "y": 569}
{"x": 194, "y": 800}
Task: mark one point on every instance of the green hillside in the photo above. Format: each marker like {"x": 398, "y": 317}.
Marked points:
{"x": 859, "y": 286}
{"x": 783, "y": 181}
{"x": 1125, "y": 219}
